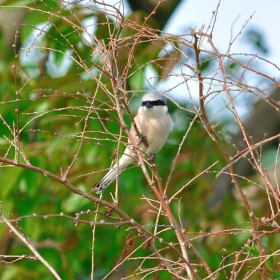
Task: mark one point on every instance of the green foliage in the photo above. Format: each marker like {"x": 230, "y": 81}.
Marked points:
{"x": 257, "y": 39}
{"x": 66, "y": 121}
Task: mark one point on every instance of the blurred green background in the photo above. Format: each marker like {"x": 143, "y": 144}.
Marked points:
{"x": 54, "y": 91}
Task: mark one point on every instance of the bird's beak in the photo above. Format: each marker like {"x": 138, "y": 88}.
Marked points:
{"x": 149, "y": 105}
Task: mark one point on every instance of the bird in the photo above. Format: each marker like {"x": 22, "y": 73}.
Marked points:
{"x": 154, "y": 123}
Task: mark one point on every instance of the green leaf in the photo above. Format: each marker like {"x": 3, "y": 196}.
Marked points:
{"x": 253, "y": 250}
{"x": 11, "y": 175}
{"x": 256, "y": 38}
{"x": 74, "y": 203}
{"x": 276, "y": 275}
{"x": 104, "y": 28}
{"x": 269, "y": 264}
{"x": 16, "y": 3}
{"x": 30, "y": 23}
{"x": 206, "y": 62}
{"x": 136, "y": 81}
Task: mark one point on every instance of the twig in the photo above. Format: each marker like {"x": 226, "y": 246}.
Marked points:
{"x": 31, "y": 247}
{"x": 214, "y": 136}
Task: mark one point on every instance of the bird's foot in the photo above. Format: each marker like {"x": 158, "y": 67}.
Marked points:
{"x": 141, "y": 139}
{"x": 152, "y": 157}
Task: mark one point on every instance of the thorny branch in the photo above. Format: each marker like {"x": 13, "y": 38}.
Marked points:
{"x": 112, "y": 83}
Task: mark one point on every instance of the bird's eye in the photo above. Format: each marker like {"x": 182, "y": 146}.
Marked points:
{"x": 154, "y": 103}
{"x": 159, "y": 102}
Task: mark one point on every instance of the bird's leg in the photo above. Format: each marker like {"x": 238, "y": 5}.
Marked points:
{"x": 141, "y": 139}
{"x": 152, "y": 157}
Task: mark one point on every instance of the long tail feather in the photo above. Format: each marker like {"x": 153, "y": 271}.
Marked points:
{"x": 108, "y": 178}
{"x": 126, "y": 159}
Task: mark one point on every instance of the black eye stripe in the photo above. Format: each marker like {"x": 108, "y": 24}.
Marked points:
{"x": 154, "y": 103}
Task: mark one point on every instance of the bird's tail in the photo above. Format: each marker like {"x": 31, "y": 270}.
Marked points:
{"x": 126, "y": 159}
{"x": 112, "y": 174}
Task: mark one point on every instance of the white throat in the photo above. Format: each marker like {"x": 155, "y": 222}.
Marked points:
{"x": 156, "y": 111}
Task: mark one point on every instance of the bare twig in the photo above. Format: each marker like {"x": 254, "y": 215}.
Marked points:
{"x": 26, "y": 241}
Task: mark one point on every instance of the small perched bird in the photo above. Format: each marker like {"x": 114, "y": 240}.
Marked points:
{"x": 154, "y": 124}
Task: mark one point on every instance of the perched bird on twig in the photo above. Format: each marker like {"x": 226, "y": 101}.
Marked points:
{"x": 154, "y": 124}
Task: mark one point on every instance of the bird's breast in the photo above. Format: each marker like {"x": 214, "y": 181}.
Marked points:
{"x": 155, "y": 126}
